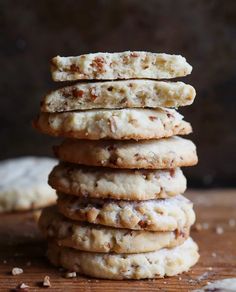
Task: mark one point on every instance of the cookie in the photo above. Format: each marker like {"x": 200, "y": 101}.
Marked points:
{"x": 24, "y": 184}
{"x": 119, "y": 94}
{"x": 124, "y": 65}
{"x": 149, "y": 154}
{"x": 96, "y": 182}
{"x": 96, "y": 238}
{"x": 158, "y": 264}
{"x": 155, "y": 215}
{"x": 123, "y": 124}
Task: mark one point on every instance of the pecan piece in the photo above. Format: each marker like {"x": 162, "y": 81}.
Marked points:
{"x": 77, "y": 93}
{"x": 152, "y": 118}
{"x": 74, "y": 68}
{"x": 98, "y": 63}
{"x": 143, "y": 224}
{"x": 93, "y": 93}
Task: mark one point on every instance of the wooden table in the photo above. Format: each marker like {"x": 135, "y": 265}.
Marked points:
{"x": 21, "y": 246}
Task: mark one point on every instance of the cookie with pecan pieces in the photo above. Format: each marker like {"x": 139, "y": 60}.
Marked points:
{"x": 119, "y": 94}
{"x": 124, "y": 65}
{"x": 148, "y": 154}
{"x": 97, "y": 238}
{"x": 156, "y": 215}
{"x": 123, "y": 124}
{"x": 120, "y": 184}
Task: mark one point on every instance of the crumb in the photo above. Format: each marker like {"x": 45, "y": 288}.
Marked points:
{"x": 202, "y": 277}
{"x": 205, "y": 225}
{"x": 16, "y": 271}
{"x": 46, "y": 281}
{"x": 213, "y": 254}
{"x": 209, "y": 268}
{"x": 180, "y": 278}
{"x": 219, "y": 230}
{"x": 198, "y": 226}
{"x": 22, "y": 287}
{"x": 5, "y": 261}
{"x": 165, "y": 282}
{"x": 232, "y": 222}
{"x": 70, "y": 275}
{"x": 28, "y": 264}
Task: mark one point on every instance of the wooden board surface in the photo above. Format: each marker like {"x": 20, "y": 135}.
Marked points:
{"x": 21, "y": 246}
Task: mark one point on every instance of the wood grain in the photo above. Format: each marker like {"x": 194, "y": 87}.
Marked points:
{"x": 21, "y": 246}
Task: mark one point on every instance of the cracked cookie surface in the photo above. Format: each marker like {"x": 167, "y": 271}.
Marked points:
{"x": 155, "y": 215}
{"x": 97, "y": 238}
{"x": 96, "y": 182}
{"x": 122, "y": 124}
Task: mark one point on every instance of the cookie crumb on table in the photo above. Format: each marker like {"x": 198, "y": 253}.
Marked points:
{"x": 70, "y": 275}
{"x": 201, "y": 226}
{"x": 209, "y": 268}
{"x": 205, "y": 225}
{"x": 46, "y": 281}
{"x": 22, "y": 287}
{"x": 198, "y": 227}
{"x": 232, "y": 222}
{"x": 17, "y": 271}
{"x": 219, "y": 230}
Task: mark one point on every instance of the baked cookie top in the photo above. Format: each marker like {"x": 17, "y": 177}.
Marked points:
{"x": 24, "y": 183}
{"x": 120, "y": 124}
{"x": 148, "y": 154}
{"x": 156, "y": 215}
{"x": 96, "y": 182}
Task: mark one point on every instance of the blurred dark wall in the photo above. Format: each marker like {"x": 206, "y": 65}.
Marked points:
{"x": 31, "y": 32}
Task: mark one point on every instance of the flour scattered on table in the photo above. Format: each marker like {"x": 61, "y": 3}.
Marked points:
{"x": 220, "y": 286}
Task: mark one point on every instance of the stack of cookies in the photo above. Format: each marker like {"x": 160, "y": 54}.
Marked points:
{"x": 120, "y": 212}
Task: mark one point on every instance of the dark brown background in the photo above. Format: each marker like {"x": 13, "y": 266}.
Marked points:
{"x": 31, "y": 32}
